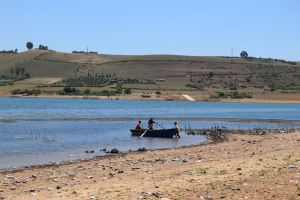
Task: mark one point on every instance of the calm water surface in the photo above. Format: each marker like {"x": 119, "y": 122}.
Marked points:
{"x": 35, "y": 131}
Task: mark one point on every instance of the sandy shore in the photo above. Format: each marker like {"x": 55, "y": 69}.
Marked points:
{"x": 244, "y": 167}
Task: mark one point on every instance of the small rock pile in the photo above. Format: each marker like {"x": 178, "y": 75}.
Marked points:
{"x": 217, "y": 133}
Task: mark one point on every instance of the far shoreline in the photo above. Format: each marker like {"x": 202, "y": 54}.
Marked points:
{"x": 130, "y": 97}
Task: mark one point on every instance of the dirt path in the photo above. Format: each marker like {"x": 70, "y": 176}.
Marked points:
{"x": 245, "y": 167}
{"x": 188, "y": 97}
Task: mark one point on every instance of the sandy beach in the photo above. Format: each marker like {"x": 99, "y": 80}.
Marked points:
{"x": 242, "y": 167}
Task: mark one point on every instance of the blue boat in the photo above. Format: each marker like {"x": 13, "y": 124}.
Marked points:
{"x": 161, "y": 133}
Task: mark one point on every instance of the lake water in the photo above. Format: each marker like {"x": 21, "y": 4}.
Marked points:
{"x": 36, "y": 130}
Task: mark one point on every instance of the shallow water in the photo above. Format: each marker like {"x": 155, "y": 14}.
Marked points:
{"x": 36, "y": 131}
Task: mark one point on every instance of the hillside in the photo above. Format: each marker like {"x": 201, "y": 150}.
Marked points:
{"x": 195, "y": 74}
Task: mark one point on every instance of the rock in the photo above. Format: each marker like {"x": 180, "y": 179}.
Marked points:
{"x": 33, "y": 176}
{"x": 156, "y": 194}
{"x": 93, "y": 198}
{"x": 111, "y": 174}
{"x": 142, "y": 149}
{"x": 58, "y": 187}
{"x": 184, "y": 161}
{"x": 74, "y": 192}
{"x": 120, "y": 171}
{"x": 71, "y": 174}
{"x": 292, "y": 167}
{"x": 209, "y": 195}
{"x": 235, "y": 189}
{"x": 1, "y": 190}
{"x": 50, "y": 189}
{"x": 13, "y": 188}
{"x": 164, "y": 198}
{"x": 9, "y": 177}
{"x": 238, "y": 168}
{"x": 32, "y": 190}
{"x": 89, "y": 177}
{"x": 277, "y": 149}
{"x": 33, "y": 193}
{"x": 114, "y": 150}
{"x": 135, "y": 168}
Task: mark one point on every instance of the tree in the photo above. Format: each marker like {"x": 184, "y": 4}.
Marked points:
{"x": 29, "y": 45}
{"x": 42, "y": 47}
{"x": 158, "y": 93}
{"x": 244, "y": 54}
{"x": 127, "y": 91}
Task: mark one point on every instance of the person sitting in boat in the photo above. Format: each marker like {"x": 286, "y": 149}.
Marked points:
{"x": 150, "y": 124}
{"x": 177, "y": 130}
{"x": 138, "y": 125}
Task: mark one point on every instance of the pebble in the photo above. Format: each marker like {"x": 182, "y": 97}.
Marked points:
{"x": 33, "y": 193}
{"x": 13, "y": 188}
{"x": 292, "y": 167}
{"x": 32, "y": 190}
{"x": 156, "y": 194}
{"x": 71, "y": 174}
{"x": 1, "y": 190}
{"x": 93, "y": 198}
{"x": 135, "y": 168}
{"x": 58, "y": 187}
{"x": 164, "y": 198}
{"x": 9, "y": 176}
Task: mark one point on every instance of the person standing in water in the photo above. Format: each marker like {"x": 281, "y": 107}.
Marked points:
{"x": 177, "y": 130}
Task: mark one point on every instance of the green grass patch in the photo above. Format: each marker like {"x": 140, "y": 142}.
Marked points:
{"x": 232, "y": 95}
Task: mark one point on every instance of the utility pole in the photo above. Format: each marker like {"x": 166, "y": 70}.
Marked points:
{"x": 87, "y": 49}
{"x": 231, "y": 52}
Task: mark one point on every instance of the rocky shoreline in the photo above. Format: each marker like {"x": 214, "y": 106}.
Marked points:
{"x": 242, "y": 166}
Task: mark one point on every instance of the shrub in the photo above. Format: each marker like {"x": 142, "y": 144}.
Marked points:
{"x": 69, "y": 91}
{"x": 87, "y": 91}
{"x": 127, "y": 91}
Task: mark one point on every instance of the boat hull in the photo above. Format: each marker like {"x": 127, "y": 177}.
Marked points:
{"x": 161, "y": 133}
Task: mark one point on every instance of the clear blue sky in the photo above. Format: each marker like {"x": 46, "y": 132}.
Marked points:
{"x": 267, "y": 28}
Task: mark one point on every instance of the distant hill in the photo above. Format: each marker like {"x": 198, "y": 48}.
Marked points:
{"x": 164, "y": 72}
